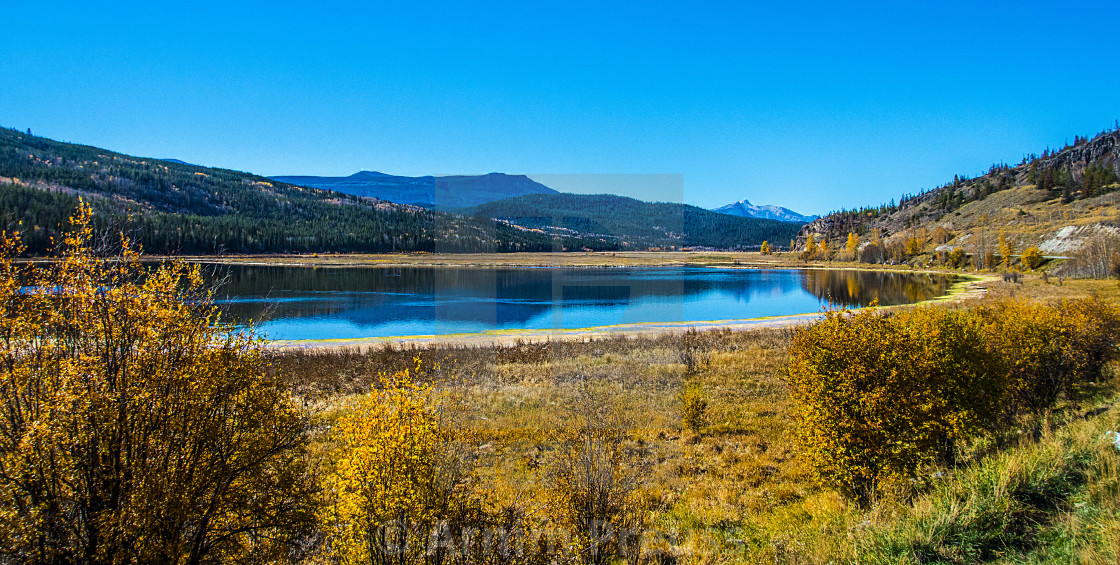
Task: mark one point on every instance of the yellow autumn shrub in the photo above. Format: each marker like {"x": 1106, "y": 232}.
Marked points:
{"x": 693, "y": 405}
{"x": 399, "y": 489}
{"x": 134, "y": 427}
{"x": 879, "y": 396}
{"x": 1031, "y": 258}
{"x": 1051, "y": 350}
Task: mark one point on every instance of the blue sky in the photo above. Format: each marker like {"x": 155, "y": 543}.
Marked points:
{"x": 814, "y": 106}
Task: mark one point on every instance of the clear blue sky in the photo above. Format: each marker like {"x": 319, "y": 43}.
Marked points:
{"x": 814, "y": 106}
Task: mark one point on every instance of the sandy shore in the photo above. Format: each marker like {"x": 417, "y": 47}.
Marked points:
{"x": 511, "y": 337}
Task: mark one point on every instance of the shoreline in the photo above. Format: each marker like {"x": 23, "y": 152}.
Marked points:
{"x": 600, "y": 259}
{"x": 969, "y": 287}
{"x": 506, "y": 338}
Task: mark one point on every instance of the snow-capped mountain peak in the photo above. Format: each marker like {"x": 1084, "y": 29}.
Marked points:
{"x": 769, "y": 212}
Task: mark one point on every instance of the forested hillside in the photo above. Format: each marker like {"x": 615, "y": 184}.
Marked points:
{"x": 634, "y": 224}
{"x": 1059, "y": 200}
{"x": 171, "y": 206}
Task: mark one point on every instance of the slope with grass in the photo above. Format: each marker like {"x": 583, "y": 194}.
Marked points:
{"x": 1057, "y": 201}
{"x": 1053, "y": 499}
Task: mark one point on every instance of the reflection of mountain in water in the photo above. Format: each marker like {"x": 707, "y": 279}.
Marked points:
{"x": 372, "y": 296}
{"x": 860, "y": 288}
{"x": 503, "y": 298}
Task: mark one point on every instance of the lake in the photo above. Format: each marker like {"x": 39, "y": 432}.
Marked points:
{"x": 302, "y": 303}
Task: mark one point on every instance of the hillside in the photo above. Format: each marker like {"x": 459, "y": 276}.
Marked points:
{"x": 170, "y": 206}
{"x": 634, "y": 224}
{"x": 441, "y": 193}
{"x": 1058, "y": 201}
{"x": 766, "y": 211}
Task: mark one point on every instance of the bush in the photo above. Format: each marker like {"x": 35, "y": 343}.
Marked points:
{"x": 694, "y": 403}
{"x": 879, "y": 396}
{"x": 595, "y": 485}
{"x": 871, "y": 253}
{"x": 1050, "y": 352}
{"x": 400, "y": 488}
{"x": 134, "y": 427}
{"x": 957, "y": 258}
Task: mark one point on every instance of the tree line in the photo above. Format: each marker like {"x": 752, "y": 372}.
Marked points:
{"x": 171, "y": 207}
{"x": 631, "y": 223}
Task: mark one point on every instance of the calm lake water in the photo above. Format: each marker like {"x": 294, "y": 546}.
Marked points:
{"x": 334, "y": 303}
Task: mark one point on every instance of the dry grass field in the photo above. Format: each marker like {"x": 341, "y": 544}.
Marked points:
{"x": 736, "y": 489}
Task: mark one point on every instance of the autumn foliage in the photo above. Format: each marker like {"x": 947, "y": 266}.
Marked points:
{"x": 1032, "y": 258}
{"x": 693, "y": 403}
{"x": 134, "y": 427}
{"x": 398, "y": 489}
{"x": 879, "y": 396}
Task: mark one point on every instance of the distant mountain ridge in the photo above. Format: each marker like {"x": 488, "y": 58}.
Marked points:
{"x": 170, "y": 207}
{"x": 441, "y": 193}
{"x": 633, "y": 224}
{"x": 174, "y": 208}
{"x": 745, "y": 209}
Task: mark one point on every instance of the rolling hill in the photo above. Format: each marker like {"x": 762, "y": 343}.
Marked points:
{"x": 173, "y": 207}
{"x": 1059, "y": 201}
{"x": 170, "y": 206}
{"x": 440, "y": 193}
{"x": 634, "y": 224}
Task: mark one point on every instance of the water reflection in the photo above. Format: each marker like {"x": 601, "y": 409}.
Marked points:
{"x": 860, "y": 288}
{"x": 322, "y": 303}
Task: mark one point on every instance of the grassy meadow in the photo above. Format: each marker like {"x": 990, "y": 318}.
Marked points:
{"x": 136, "y": 427}
{"x": 737, "y": 486}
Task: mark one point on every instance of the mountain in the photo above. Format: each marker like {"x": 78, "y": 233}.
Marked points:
{"x": 634, "y": 224}
{"x": 171, "y": 207}
{"x": 442, "y": 193}
{"x": 769, "y": 212}
{"x": 1059, "y": 201}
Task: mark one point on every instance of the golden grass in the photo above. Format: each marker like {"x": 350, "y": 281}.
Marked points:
{"x": 1028, "y": 216}
{"x": 739, "y": 491}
